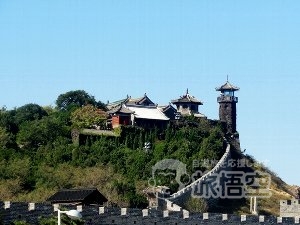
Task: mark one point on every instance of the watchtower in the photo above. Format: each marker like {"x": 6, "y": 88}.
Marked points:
{"x": 227, "y": 108}
{"x": 188, "y": 105}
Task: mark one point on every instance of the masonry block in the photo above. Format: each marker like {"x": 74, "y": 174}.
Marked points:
{"x": 279, "y": 219}
{"x": 261, "y": 219}
{"x": 205, "y": 216}
{"x": 243, "y": 218}
{"x": 124, "y": 211}
{"x": 166, "y": 213}
{"x": 31, "y": 206}
{"x": 185, "y": 214}
{"x": 6, "y": 204}
{"x": 101, "y": 210}
{"x": 145, "y": 212}
{"x": 79, "y": 208}
{"x": 55, "y": 207}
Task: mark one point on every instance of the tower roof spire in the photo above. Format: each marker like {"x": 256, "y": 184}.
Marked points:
{"x": 227, "y": 87}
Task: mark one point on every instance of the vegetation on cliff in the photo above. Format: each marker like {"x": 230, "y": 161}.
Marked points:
{"x": 38, "y": 157}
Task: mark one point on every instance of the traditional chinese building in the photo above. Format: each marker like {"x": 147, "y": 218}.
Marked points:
{"x": 137, "y": 111}
{"x": 169, "y": 111}
{"x": 227, "y": 109}
{"x": 188, "y": 105}
{"x": 84, "y": 196}
{"x": 120, "y": 115}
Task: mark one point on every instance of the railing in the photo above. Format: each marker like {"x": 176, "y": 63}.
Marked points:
{"x": 226, "y": 98}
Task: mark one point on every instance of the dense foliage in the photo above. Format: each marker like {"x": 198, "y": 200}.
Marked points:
{"x": 38, "y": 157}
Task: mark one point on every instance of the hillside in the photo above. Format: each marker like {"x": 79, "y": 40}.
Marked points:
{"x": 39, "y": 157}
{"x": 279, "y": 191}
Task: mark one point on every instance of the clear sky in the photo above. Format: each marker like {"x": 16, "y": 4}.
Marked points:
{"x": 113, "y": 48}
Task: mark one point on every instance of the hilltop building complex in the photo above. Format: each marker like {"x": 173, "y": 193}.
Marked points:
{"x": 144, "y": 112}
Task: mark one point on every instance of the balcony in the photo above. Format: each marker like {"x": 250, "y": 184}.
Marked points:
{"x": 227, "y": 98}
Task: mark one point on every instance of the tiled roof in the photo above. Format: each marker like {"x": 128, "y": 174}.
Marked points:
{"x": 76, "y": 195}
{"x": 164, "y": 108}
{"x": 187, "y": 98}
{"x": 227, "y": 86}
{"x": 114, "y": 104}
{"x": 120, "y": 109}
{"x": 146, "y": 112}
{"x": 139, "y": 101}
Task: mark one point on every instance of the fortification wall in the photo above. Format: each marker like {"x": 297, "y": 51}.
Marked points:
{"x": 290, "y": 208}
{"x": 180, "y": 197}
{"x": 93, "y": 215}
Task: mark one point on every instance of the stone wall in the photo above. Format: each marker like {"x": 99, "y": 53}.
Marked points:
{"x": 93, "y": 215}
{"x": 180, "y": 197}
{"x": 290, "y": 208}
{"x": 227, "y": 113}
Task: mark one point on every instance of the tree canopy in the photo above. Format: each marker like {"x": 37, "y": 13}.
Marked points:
{"x": 88, "y": 116}
{"x": 76, "y": 99}
{"x": 29, "y": 112}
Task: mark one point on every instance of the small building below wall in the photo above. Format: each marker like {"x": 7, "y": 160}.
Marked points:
{"x": 85, "y": 196}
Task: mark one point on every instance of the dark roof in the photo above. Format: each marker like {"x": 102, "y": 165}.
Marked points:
{"x": 187, "y": 98}
{"x": 120, "y": 109}
{"x": 139, "y": 101}
{"x": 130, "y": 101}
{"x": 227, "y": 87}
{"x": 115, "y": 104}
{"x": 85, "y": 195}
{"x": 164, "y": 108}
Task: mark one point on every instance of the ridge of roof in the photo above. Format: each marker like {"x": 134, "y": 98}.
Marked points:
{"x": 138, "y": 101}
{"x": 121, "y": 109}
{"x": 114, "y": 104}
{"x": 227, "y": 86}
{"x": 73, "y": 195}
{"x": 187, "y": 98}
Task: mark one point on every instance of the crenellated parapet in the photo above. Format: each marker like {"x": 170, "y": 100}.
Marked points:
{"x": 290, "y": 208}
{"x": 31, "y": 212}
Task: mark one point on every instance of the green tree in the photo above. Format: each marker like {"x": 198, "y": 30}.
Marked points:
{"x": 88, "y": 116}
{"x": 196, "y": 205}
{"x": 77, "y": 99}
{"x": 29, "y": 112}
{"x": 7, "y": 120}
{"x": 33, "y": 134}
{"x": 5, "y": 138}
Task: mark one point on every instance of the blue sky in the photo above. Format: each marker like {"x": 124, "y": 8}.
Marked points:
{"x": 114, "y": 48}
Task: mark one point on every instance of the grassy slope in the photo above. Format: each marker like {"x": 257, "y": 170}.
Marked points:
{"x": 279, "y": 191}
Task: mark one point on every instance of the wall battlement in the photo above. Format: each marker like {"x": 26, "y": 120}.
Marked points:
{"x": 31, "y": 212}
{"x": 290, "y": 208}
